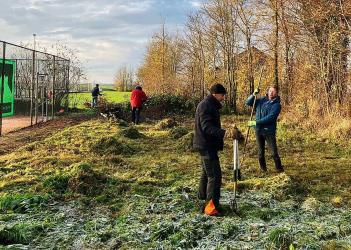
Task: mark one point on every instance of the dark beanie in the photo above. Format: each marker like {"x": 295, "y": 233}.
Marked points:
{"x": 218, "y": 89}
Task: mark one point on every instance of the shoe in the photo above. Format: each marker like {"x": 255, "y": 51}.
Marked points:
{"x": 218, "y": 214}
{"x": 264, "y": 169}
{"x": 202, "y": 208}
{"x": 210, "y": 208}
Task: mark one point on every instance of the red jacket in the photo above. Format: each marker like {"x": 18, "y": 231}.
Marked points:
{"x": 137, "y": 98}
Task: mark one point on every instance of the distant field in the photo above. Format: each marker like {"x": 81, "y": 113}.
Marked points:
{"x": 105, "y": 87}
{"x": 77, "y": 100}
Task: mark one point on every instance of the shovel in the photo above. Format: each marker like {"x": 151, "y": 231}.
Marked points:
{"x": 251, "y": 117}
{"x": 236, "y": 172}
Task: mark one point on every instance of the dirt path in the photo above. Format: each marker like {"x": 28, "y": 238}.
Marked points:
{"x": 37, "y": 132}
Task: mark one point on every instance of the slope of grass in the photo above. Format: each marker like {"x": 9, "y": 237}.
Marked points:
{"x": 98, "y": 185}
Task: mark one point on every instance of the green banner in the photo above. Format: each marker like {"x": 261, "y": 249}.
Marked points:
{"x": 9, "y": 87}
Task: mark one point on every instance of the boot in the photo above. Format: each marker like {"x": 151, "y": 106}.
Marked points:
{"x": 278, "y": 165}
{"x": 263, "y": 166}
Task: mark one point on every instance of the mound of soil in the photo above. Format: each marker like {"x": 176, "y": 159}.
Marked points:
{"x": 84, "y": 180}
{"x": 178, "y": 132}
{"x": 166, "y": 124}
{"x": 186, "y": 142}
{"x": 131, "y": 133}
{"x": 111, "y": 145}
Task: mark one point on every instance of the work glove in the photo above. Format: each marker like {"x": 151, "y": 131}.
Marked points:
{"x": 235, "y": 134}
{"x": 251, "y": 123}
{"x": 256, "y": 91}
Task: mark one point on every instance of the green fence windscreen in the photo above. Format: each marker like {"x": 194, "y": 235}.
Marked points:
{"x": 9, "y": 87}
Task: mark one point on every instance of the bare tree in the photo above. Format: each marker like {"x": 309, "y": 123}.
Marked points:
{"x": 124, "y": 79}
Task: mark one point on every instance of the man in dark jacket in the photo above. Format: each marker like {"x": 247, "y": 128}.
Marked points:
{"x": 95, "y": 93}
{"x": 137, "y": 98}
{"x": 208, "y": 140}
{"x": 267, "y": 112}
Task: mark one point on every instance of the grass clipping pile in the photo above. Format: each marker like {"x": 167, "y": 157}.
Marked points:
{"x": 84, "y": 180}
{"x": 131, "y": 133}
{"x": 185, "y": 143}
{"x": 111, "y": 145}
{"x": 167, "y": 123}
{"x": 178, "y": 132}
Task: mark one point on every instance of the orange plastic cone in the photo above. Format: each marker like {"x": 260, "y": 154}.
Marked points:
{"x": 210, "y": 209}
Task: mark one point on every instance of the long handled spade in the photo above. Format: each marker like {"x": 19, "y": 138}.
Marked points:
{"x": 236, "y": 169}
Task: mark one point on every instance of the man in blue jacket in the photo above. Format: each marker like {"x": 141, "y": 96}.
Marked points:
{"x": 267, "y": 111}
{"x": 95, "y": 93}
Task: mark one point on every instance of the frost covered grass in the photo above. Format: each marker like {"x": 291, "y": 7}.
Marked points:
{"x": 100, "y": 185}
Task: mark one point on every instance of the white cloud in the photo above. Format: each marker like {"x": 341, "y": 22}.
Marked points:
{"x": 108, "y": 33}
{"x": 196, "y": 4}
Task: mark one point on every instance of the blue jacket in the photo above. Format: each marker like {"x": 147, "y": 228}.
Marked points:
{"x": 95, "y": 92}
{"x": 267, "y": 113}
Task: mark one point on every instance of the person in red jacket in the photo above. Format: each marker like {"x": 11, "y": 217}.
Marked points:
{"x": 137, "y": 99}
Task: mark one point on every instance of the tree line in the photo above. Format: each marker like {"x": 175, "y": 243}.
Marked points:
{"x": 303, "y": 46}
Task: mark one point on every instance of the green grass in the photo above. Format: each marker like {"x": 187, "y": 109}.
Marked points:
{"x": 135, "y": 187}
{"x": 107, "y": 87}
{"x": 77, "y": 100}
{"x": 20, "y": 233}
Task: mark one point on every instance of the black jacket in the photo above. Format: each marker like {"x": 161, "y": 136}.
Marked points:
{"x": 208, "y": 132}
{"x": 95, "y": 92}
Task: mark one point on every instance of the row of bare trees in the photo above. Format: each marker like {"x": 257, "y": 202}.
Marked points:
{"x": 124, "y": 79}
{"x": 303, "y": 46}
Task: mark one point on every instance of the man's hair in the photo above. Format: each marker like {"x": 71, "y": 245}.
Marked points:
{"x": 139, "y": 87}
{"x": 274, "y": 86}
{"x": 97, "y": 85}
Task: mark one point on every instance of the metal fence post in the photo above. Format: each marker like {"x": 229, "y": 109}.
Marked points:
{"x": 67, "y": 85}
{"x": 32, "y": 89}
{"x": 53, "y": 90}
{"x": 2, "y": 84}
{"x": 42, "y": 99}
{"x": 16, "y": 76}
{"x": 36, "y": 94}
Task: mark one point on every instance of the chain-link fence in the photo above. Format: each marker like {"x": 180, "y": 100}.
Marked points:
{"x": 34, "y": 86}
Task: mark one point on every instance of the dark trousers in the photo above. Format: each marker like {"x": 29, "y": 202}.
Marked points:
{"x": 95, "y": 101}
{"x": 136, "y": 115}
{"x": 272, "y": 145}
{"x": 211, "y": 178}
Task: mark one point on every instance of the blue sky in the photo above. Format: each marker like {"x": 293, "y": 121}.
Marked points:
{"x": 108, "y": 33}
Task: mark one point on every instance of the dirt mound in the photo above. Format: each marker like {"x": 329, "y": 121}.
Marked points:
{"x": 122, "y": 123}
{"x": 131, "y": 133}
{"x": 166, "y": 124}
{"x": 311, "y": 204}
{"x": 113, "y": 159}
{"x": 178, "y": 132}
{"x": 111, "y": 145}
{"x": 81, "y": 179}
{"x": 185, "y": 143}
{"x": 84, "y": 180}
